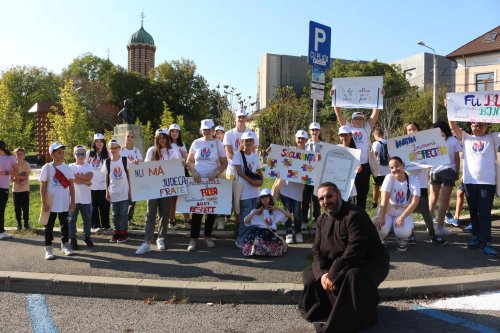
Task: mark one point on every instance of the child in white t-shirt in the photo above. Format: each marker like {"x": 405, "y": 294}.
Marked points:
{"x": 400, "y": 195}
{"x": 117, "y": 191}
{"x": 83, "y": 199}
{"x": 133, "y": 155}
{"x": 57, "y": 183}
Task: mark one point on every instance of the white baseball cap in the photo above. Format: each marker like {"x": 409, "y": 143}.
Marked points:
{"x": 207, "y": 124}
{"x": 219, "y": 128}
{"x": 246, "y": 136}
{"x": 55, "y": 146}
{"x": 314, "y": 126}
{"x": 358, "y": 115}
{"x": 113, "y": 142}
{"x": 162, "y": 131}
{"x": 301, "y": 134}
{"x": 78, "y": 147}
{"x": 174, "y": 127}
{"x": 241, "y": 113}
{"x": 264, "y": 192}
{"x": 346, "y": 129}
{"x": 98, "y": 136}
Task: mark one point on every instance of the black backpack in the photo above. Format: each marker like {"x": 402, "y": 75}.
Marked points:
{"x": 383, "y": 157}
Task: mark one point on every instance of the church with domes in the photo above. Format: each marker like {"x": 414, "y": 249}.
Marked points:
{"x": 141, "y": 51}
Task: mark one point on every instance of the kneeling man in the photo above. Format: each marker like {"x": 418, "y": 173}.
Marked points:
{"x": 340, "y": 289}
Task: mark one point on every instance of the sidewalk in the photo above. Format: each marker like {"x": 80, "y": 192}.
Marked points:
{"x": 223, "y": 274}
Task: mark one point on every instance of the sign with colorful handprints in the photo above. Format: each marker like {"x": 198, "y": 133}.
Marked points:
{"x": 474, "y": 106}
{"x": 419, "y": 150}
{"x": 292, "y": 164}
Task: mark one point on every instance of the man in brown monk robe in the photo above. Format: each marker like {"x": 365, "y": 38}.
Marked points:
{"x": 340, "y": 289}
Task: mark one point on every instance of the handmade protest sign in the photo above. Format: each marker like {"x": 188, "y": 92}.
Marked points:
{"x": 338, "y": 165}
{"x": 292, "y": 164}
{"x": 206, "y": 197}
{"x": 474, "y": 106}
{"x": 423, "y": 149}
{"x": 358, "y": 92}
{"x": 156, "y": 179}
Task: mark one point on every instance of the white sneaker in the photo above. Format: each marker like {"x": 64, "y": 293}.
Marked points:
{"x": 442, "y": 231}
{"x": 289, "y": 239}
{"x": 66, "y": 249}
{"x": 5, "y": 235}
{"x": 303, "y": 226}
{"x": 209, "y": 242}
{"x": 220, "y": 223}
{"x": 144, "y": 248}
{"x": 160, "y": 242}
{"x": 48, "y": 253}
{"x": 192, "y": 245}
{"x": 299, "y": 238}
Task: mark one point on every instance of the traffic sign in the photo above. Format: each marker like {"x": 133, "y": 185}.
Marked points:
{"x": 319, "y": 44}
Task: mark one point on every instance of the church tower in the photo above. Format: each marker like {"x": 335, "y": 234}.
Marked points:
{"x": 141, "y": 51}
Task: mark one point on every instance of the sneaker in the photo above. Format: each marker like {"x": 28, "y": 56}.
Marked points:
{"x": 289, "y": 239}
{"x": 131, "y": 223}
{"x": 412, "y": 240}
{"x": 209, "y": 242}
{"x": 97, "y": 230}
{"x": 5, "y": 235}
{"x": 160, "y": 243}
{"x": 116, "y": 237}
{"x": 468, "y": 229}
{"x": 434, "y": 220}
{"x": 19, "y": 228}
{"x": 48, "y": 253}
{"x": 442, "y": 231}
{"x": 448, "y": 216}
{"x": 74, "y": 244}
{"x": 172, "y": 224}
{"x": 489, "y": 250}
{"x": 192, "y": 245}
{"x": 123, "y": 237}
{"x": 27, "y": 227}
{"x": 439, "y": 240}
{"x": 66, "y": 249}
{"x": 220, "y": 223}
{"x": 453, "y": 222}
{"x": 144, "y": 248}
{"x": 303, "y": 226}
{"x": 238, "y": 245}
{"x": 402, "y": 247}
{"x": 299, "y": 238}
{"x": 473, "y": 243}
{"x": 88, "y": 242}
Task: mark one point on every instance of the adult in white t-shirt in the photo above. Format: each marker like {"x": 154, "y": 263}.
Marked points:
{"x": 133, "y": 155}
{"x": 400, "y": 195}
{"x": 361, "y": 130}
{"x": 479, "y": 156}
{"x": 175, "y": 134}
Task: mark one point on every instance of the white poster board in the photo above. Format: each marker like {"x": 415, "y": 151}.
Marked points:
{"x": 358, "y": 92}
{"x": 338, "y": 165}
{"x": 292, "y": 164}
{"x": 474, "y": 106}
{"x": 419, "y": 150}
{"x": 156, "y": 179}
{"x": 206, "y": 197}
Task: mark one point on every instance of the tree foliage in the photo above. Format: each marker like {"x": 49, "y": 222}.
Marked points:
{"x": 167, "y": 118}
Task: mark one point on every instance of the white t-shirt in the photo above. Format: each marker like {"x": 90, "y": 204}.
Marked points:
{"x": 180, "y": 149}
{"x": 60, "y": 195}
{"x": 165, "y": 155}
{"x": 377, "y": 149}
{"x": 422, "y": 175}
{"x": 131, "y": 154}
{"x": 361, "y": 137}
{"x": 118, "y": 182}
{"x": 265, "y": 220}
{"x": 206, "y": 155}
{"x": 233, "y": 138}
{"x": 82, "y": 191}
{"x": 253, "y": 162}
{"x": 314, "y": 146}
{"x": 292, "y": 190}
{"x": 479, "y": 158}
{"x": 98, "y": 180}
{"x": 452, "y": 146}
{"x": 398, "y": 195}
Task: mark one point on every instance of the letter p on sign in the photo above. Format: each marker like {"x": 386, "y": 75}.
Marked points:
{"x": 319, "y": 37}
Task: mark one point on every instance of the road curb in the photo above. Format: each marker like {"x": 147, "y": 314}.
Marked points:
{"x": 226, "y": 292}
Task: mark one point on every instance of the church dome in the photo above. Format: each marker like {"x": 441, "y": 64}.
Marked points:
{"x": 141, "y": 36}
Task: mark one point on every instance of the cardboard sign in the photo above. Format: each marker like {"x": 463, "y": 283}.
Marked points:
{"x": 474, "y": 106}
{"x": 292, "y": 164}
{"x": 358, "y": 92}
{"x": 157, "y": 179}
{"x": 206, "y": 197}
{"x": 338, "y": 165}
{"x": 419, "y": 150}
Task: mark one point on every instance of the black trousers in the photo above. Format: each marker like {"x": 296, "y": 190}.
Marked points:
{"x": 22, "y": 207}
{"x": 307, "y": 195}
{"x": 100, "y": 209}
{"x": 196, "y": 225}
{"x": 49, "y": 228}
{"x": 362, "y": 183}
{"x": 4, "y": 196}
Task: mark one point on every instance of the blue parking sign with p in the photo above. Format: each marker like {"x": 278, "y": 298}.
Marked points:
{"x": 319, "y": 44}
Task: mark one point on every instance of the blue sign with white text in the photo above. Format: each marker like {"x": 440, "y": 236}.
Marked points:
{"x": 319, "y": 44}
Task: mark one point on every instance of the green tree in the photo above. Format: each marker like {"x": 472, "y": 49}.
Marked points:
{"x": 70, "y": 127}
{"x": 147, "y": 132}
{"x": 167, "y": 118}
{"x": 187, "y": 137}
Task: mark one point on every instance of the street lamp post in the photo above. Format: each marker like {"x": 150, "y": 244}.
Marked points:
{"x": 434, "y": 81}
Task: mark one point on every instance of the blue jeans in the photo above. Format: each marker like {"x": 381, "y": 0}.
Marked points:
{"x": 293, "y": 206}
{"x": 480, "y": 200}
{"x": 246, "y": 207}
{"x": 120, "y": 212}
{"x": 86, "y": 211}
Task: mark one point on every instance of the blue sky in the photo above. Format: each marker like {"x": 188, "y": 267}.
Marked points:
{"x": 227, "y": 38}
